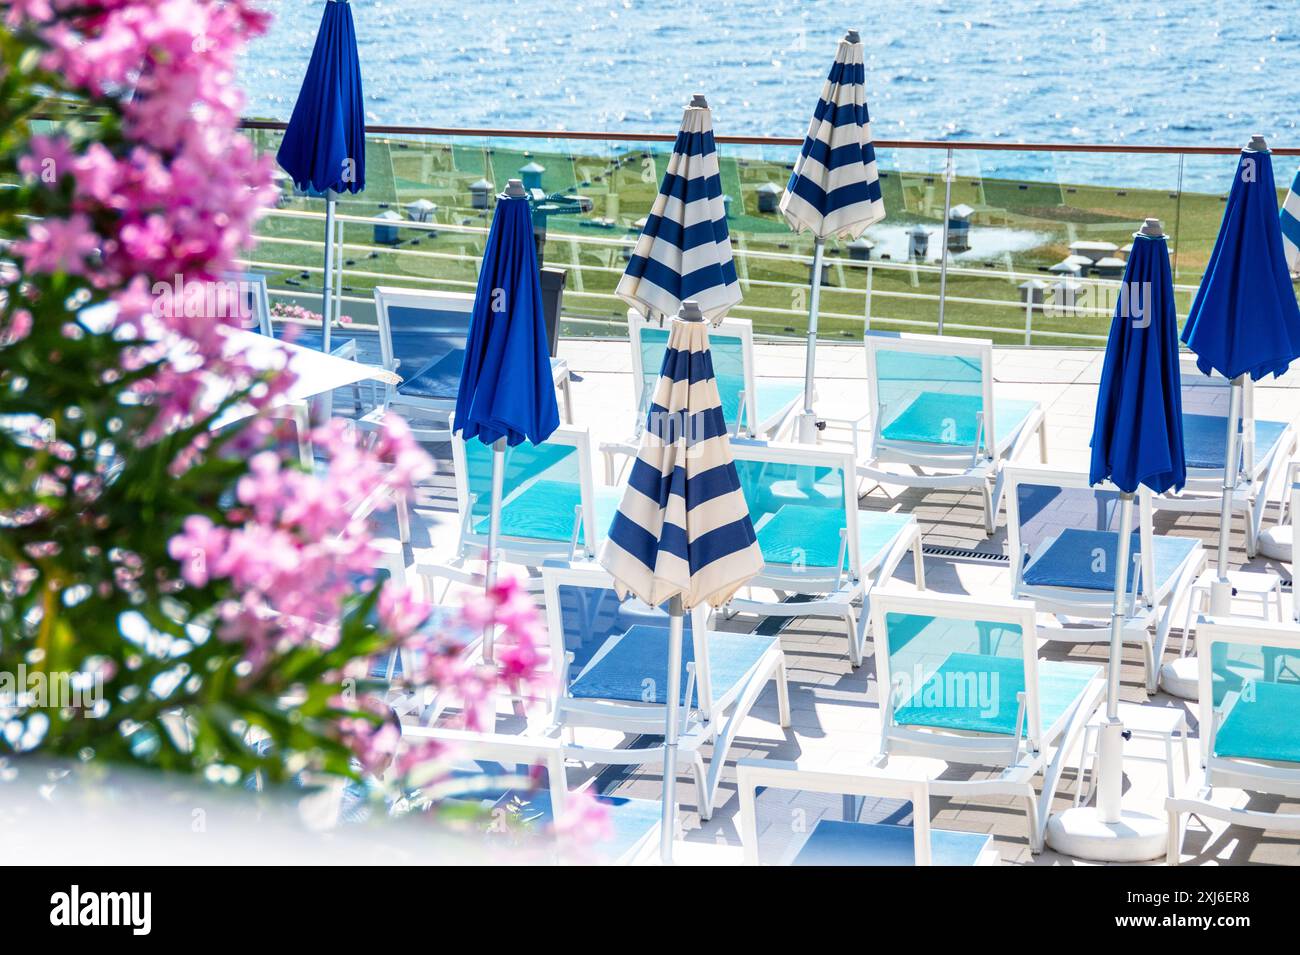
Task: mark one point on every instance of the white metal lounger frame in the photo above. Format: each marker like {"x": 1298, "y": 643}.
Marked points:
{"x": 836, "y": 589}
{"x": 1257, "y": 483}
{"x": 1152, "y": 604}
{"x": 538, "y": 750}
{"x": 747, "y": 419}
{"x": 754, "y": 774}
{"x": 709, "y": 721}
{"x": 1020, "y": 758}
{"x": 387, "y": 297}
{"x": 978, "y": 466}
{"x": 1250, "y": 775}
{"x": 471, "y": 544}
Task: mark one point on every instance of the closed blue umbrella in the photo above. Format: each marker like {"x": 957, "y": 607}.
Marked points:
{"x": 1137, "y": 439}
{"x": 834, "y": 189}
{"x": 324, "y": 146}
{"x": 1244, "y": 320}
{"x": 506, "y": 393}
{"x": 684, "y": 250}
{"x": 682, "y": 533}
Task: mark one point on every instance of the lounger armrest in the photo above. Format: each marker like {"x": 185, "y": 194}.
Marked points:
{"x": 856, "y": 427}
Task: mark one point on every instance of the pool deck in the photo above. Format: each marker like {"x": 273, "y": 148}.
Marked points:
{"x": 836, "y": 716}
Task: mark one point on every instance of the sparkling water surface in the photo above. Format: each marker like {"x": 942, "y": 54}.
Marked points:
{"x": 1194, "y": 72}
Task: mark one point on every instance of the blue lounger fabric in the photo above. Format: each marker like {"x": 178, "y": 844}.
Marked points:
{"x": 833, "y": 842}
{"x": 641, "y": 654}
{"x": 1070, "y": 560}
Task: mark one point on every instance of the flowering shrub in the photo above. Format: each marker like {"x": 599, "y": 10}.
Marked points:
{"x": 288, "y": 312}
{"x": 212, "y": 601}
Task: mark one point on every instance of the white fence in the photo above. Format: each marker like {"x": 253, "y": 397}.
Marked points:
{"x": 835, "y": 298}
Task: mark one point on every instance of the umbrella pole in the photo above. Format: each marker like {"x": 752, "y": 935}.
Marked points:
{"x": 326, "y": 306}
{"x": 808, "y": 420}
{"x": 1110, "y": 753}
{"x": 1221, "y": 589}
{"x": 668, "y": 824}
{"x": 494, "y": 532}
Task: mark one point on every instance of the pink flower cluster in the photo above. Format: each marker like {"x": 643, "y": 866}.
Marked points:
{"x": 180, "y": 196}
{"x": 293, "y": 548}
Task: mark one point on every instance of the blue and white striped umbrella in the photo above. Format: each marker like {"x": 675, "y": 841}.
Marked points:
{"x": 1291, "y": 225}
{"x": 834, "y": 189}
{"x": 684, "y": 251}
{"x": 683, "y": 532}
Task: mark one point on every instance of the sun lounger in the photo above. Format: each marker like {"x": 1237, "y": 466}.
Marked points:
{"x": 751, "y": 406}
{"x": 815, "y": 541}
{"x": 612, "y": 656}
{"x": 834, "y": 842}
{"x": 935, "y": 420}
{"x": 422, "y": 338}
{"x": 551, "y": 510}
{"x": 1062, "y": 544}
{"x": 960, "y": 680}
{"x": 1266, "y": 448}
{"x": 1250, "y": 735}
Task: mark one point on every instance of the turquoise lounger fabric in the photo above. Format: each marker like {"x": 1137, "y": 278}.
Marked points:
{"x": 1262, "y": 724}
{"x": 936, "y": 417}
{"x": 809, "y": 535}
{"x": 1071, "y": 560}
{"x": 977, "y": 693}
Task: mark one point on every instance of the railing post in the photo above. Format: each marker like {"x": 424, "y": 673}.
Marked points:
{"x": 1029, "y": 316}
{"x": 948, "y": 173}
{"x": 867, "y": 317}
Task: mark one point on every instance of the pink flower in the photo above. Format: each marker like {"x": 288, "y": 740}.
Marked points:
{"x": 585, "y": 822}
{"x": 58, "y": 245}
{"x": 199, "y": 545}
{"x": 19, "y": 327}
{"x": 401, "y": 611}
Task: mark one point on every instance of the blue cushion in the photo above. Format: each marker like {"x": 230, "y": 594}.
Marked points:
{"x": 1068, "y": 560}
{"x": 998, "y": 680}
{"x": 641, "y": 654}
{"x": 631, "y": 820}
{"x": 1262, "y": 724}
{"x": 439, "y": 379}
{"x": 1205, "y": 440}
{"x": 833, "y": 842}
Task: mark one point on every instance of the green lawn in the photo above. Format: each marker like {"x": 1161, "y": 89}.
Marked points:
{"x": 622, "y": 185}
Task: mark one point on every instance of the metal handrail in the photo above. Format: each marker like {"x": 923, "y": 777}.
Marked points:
{"x": 492, "y": 133}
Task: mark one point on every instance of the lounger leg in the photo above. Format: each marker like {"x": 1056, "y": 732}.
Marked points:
{"x": 609, "y": 468}
{"x": 1037, "y": 827}
{"x": 1042, "y": 441}
{"x": 403, "y": 520}
{"x": 857, "y": 631}
{"x": 990, "y": 503}
{"x": 918, "y": 562}
{"x": 783, "y": 700}
{"x": 723, "y": 740}
{"x": 703, "y": 795}
{"x": 1173, "y": 852}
